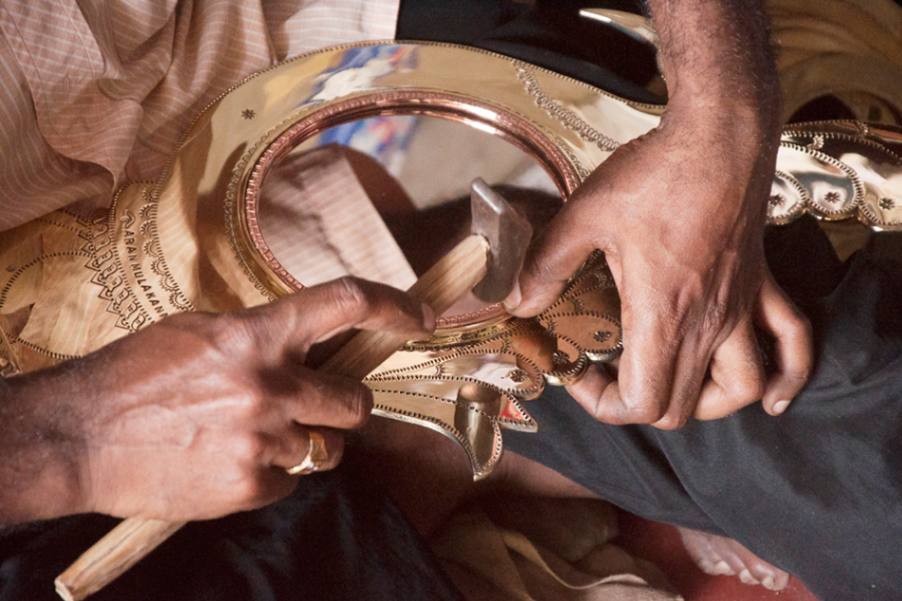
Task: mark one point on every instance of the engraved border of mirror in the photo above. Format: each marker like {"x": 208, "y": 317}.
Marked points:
{"x": 469, "y": 111}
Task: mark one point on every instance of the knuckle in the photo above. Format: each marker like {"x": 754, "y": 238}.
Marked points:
{"x": 799, "y": 375}
{"x": 796, "y": 324}
{"x": 350, "y": 293}
{"x": 747, "y": 390}
{"x": 249, "y": 448}
{"x": 646, "y": 412}
{"x": 230, "y": 334}
{"x": 250, "y": 404}
{"x": 595, "y": 407}
{"x": 360, "y": 406}
{"x": 606, "y": 416}
{"x": 233, "y": 474}
{"x": 671, "y": 422}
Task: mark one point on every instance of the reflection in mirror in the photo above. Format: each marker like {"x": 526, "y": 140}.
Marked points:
{"x": 384, "y": 197}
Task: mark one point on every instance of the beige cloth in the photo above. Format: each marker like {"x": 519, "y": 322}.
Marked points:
{"x": 94, "y": 93}
{"x": 320, "y": 224}
{"x": 499, "y": 551}
{"x": 849, "y": 49}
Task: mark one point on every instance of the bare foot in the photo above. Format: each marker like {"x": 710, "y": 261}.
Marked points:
{"x": 718, "y": 555}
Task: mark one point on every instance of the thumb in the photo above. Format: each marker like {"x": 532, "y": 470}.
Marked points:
{"x": 552, "y": 259}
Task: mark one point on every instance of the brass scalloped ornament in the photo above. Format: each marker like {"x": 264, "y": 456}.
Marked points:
{"x": 469, "y": 388}
{"x": 191, "y": 241}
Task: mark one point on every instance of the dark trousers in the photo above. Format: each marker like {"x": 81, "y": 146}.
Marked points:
{"x": 816, "y": 491}
{"x": 338, "y": 537}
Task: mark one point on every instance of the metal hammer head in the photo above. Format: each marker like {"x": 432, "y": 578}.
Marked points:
{"x": 508, "y": 234}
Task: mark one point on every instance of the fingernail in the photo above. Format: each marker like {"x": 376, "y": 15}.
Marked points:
{"x": 769, "y": 583}
{"x": 779, "y": 407}
{"x": 513, "y": 299}
{"x": 428, "y": 317}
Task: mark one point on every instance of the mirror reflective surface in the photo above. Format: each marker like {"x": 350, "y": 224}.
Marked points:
{"x": 384, "y": 197}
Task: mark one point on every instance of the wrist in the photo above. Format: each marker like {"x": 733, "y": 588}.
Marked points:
{"x": 737, "y": 124}
{"x": 719, "y": 55}
{"x": 42, "y": 460}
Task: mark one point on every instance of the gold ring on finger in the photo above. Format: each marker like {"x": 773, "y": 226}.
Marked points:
{"x": 316, "y": 456}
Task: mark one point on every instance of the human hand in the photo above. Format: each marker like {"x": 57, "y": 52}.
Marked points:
{"x": 680, "y": 215}
{"x": 199, "y": 416}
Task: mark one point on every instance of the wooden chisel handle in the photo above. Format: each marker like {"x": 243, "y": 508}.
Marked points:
{"x": 446, "y": 282}
{"x": 121, "y": 548}
{"x": 128, "y": 543}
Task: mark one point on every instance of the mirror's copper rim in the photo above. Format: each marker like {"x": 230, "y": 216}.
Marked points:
{"x": 493, "y": 119}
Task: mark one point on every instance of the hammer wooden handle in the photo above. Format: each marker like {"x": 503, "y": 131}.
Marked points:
{"x": 444, "y": 284}
{"x": 129, "y": 542}
{"x": 121, "y": 548}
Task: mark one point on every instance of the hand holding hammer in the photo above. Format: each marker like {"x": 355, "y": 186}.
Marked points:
{"x": 486, "y": 262}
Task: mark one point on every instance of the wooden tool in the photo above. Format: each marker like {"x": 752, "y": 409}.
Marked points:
{"x": 502, "y": 234}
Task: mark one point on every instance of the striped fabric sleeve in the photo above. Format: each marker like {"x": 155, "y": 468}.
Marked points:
{"x": 96, "y": 94}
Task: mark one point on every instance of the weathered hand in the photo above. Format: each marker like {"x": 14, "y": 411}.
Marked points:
{"x": 198, "y": 416}
{"x": 679, "y": 214}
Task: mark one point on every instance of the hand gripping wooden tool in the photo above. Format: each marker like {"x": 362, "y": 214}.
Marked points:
{"x": 488, "y": 262}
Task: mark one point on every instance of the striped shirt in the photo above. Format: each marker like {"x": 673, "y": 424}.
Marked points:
{"x": 98, "y": 92}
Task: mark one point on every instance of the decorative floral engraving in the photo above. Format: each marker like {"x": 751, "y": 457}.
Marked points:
{"x": 832, "y": 197}
{"x": 471, "y": 391}
{"x": 516, "y": 375}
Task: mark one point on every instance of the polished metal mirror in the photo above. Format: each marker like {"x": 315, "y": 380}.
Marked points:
{"x": 384, "y": 197}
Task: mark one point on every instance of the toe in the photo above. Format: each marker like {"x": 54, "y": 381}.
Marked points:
{"x": 722, "y": 568}
{"x": 737, "y": 565}
{"x": 717, "y": 555}
{"x": 714, "y": 566}
{"x": 769, "y": 576}
{"x": 776, "y": 581}
{"x": 745, "y": 576}
{"x": 706, "y": 566}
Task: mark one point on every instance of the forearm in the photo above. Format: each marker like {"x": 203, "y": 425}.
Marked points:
{"x": 39, "y": 475}
{"x": 717, "y": 57}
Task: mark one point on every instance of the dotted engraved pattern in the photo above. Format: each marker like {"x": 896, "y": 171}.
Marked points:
{"x": 564, "y": 115}
{"x": 830, "y": 205}
{"x": 109, "y": 273}
{"x": 7, "y": 368}
{"x": 782, "y": 209}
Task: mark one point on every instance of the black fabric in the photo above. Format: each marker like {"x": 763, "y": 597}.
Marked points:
{"x": 336, "y": 538}
{"x": 550, "y": 34}
{"x": 817, "y": 491}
